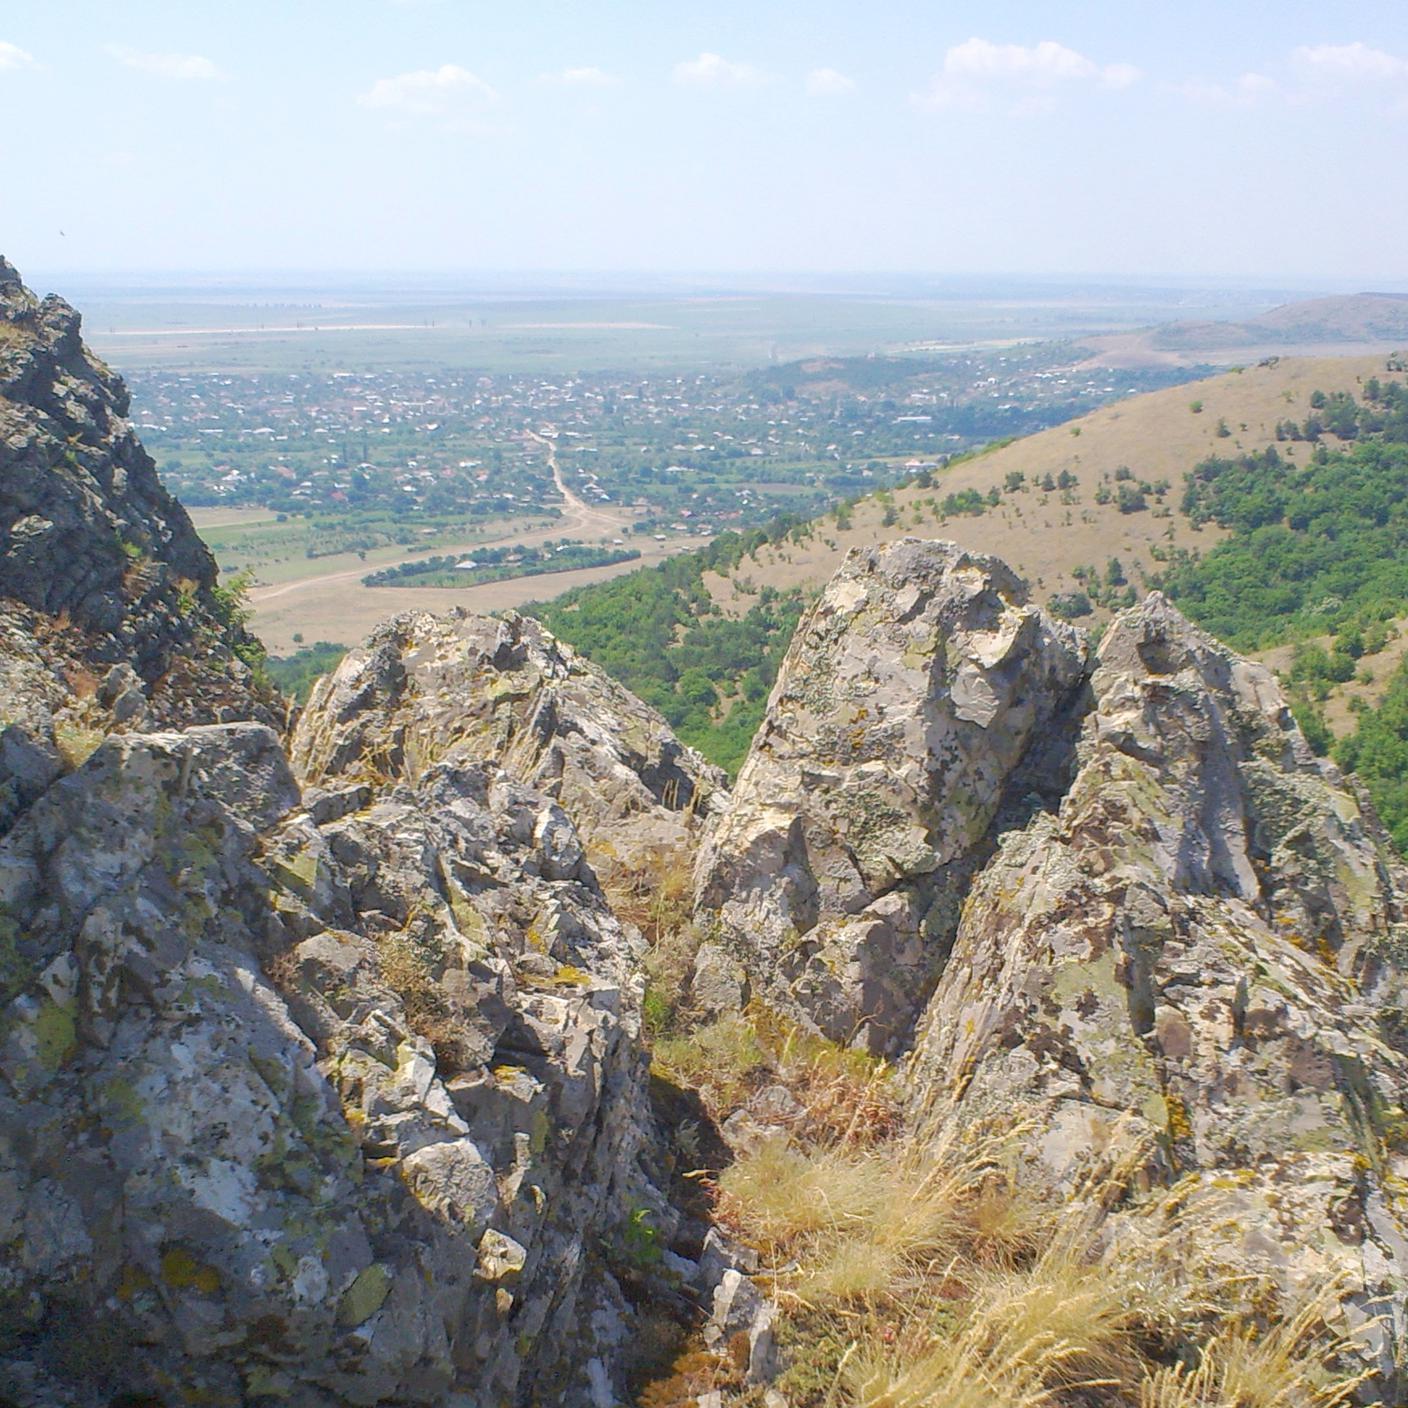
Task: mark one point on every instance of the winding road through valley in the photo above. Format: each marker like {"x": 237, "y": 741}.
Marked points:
{"x": 334, "y": 605}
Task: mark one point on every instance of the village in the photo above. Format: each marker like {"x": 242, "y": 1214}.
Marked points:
{"x": 691, "y": 453}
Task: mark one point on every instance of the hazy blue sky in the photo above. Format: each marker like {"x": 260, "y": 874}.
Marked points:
{"x": 1200, "y": 137}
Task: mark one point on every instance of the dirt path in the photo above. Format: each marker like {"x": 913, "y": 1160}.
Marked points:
{"x": 336, "y": 606}
{"x": 578, "y": 518}
{"x": 583, "y": 516}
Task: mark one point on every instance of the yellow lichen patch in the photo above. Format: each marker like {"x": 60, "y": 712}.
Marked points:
{"x": 55, "y": 1036}
{"x": 298, "y": 873}
{"x": 565, "y": 976}
{"x": 181, "y": 1271}
{"x": 1179, "y": 1125}
{"x": 364, "y": 1297}
{"x": 76, "y": 742}
{"x": 131, "y": 1283}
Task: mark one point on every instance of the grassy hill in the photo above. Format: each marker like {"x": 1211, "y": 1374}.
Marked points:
{"x": 1047, "y": 534}
{"x": 1343, "y": 323}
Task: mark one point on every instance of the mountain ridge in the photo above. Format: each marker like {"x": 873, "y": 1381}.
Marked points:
{"x": 330, "y": 1072}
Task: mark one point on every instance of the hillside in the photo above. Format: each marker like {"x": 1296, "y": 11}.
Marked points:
{"x": 1090, "y": 513}
{"x": 1345, "y": 322}
{"x": 1045, "y": 534}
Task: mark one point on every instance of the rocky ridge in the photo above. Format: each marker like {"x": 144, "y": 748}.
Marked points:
{"x": 921, "y": 692}
{"x": 328, "y": 1088}
{"x": 322, "y": 1077}
{"x": 1132, "y": 906}
{"x": 112, "y": 618}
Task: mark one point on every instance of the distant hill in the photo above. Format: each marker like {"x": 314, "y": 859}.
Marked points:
{"x": 1089, "y": 512}
{"x": 1154, "y": 439}
{"x": 1359, "y": 321}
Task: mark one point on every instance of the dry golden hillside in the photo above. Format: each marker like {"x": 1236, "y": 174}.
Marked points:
{"x": 1044, "y": 535}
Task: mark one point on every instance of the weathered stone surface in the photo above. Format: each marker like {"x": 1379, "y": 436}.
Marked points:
{"x": 428, "y": 687}
{"x": 100, "y": 568}
{"x": 1203, "y": 947}
{"x": 915, "y": 694}
{"x": 333, "y": 1098}
{"x": 395, "y": 1173}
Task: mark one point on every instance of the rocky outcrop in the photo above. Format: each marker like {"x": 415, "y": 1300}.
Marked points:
{"x": 465, "y": 686}
{"x": 921, "y": 694}
{"x": 324, "y": 1096}
{"x": 335, "y": 1104}
{"x": 1134, "y": 912}
{"x": 322, "y": 1079}
{"x": 1201, "y": 950}
{"x": 109, "y": 614}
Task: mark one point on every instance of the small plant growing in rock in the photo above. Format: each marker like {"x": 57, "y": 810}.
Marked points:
{"x": 640, "y": 1241}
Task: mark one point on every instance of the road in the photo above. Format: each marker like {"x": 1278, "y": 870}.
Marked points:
{"x": 579, "y": 519}
{"x": 583, "y": 517}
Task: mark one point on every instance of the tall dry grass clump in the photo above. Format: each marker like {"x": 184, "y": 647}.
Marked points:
{"x": 927, "y": 1270}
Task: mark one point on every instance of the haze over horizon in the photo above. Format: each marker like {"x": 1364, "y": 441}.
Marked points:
{"x": 430, "y": 136}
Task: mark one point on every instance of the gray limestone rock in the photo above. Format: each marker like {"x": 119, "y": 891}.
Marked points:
{"x": 428, "y": 687}
{"x": 1202, "y": 951}
{"x": 914, "y": 694}
{"x": 341, "y": 1112}
{"x": 109, "y": 614}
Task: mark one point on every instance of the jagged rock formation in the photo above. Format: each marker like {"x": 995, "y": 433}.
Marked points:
{"x": 1174, "y": 929}
{"x": 325, "y": 1097}
{"x": 335, "y": 1093}
{"x": 471, "y": 686}
{"x": 391, "y": 1172}
{"x": 919, "y": 694}
{"x": 1204, "y": 948}
{"x": 109, "y": 617}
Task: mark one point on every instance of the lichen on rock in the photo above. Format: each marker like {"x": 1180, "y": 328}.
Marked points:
{"x": 920, "y": 696}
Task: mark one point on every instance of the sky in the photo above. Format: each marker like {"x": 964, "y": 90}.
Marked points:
{"x": 1254, "y": 139}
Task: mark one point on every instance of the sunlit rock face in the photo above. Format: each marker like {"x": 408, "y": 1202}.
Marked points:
{"x": 920, "y": 696}
{"x": 340, "y": 1108}
{"x": 1200, "y": 951}
{"x": 505, "y": 690}
{"x": 1112, "y": 900}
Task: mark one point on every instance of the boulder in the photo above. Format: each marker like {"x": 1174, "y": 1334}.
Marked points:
{"x": 426, "y": 688}
{"x": 920, "y": 695}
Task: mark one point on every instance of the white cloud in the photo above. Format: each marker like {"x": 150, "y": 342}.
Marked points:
{"x": 715, "y": 71}
{"x": 450, "y": 95}
{"x": 1350, "y": 61}
{"x": 1245, "y": 92}
{"x": 1120, "y": 75}
{"x": 182, "y": 66}
{"x": 586, "y": 77}
{"x": 829, "y": 83}
{"x": 12, "y": 56}
{"x": 974, "y": 70}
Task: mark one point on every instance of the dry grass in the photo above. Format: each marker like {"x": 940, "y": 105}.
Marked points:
{"x": 844, "y": 1097}
{"x": 657, "y": 897}
{"x": 1156, "y": 435}
{"x": 411, "y": 972}
{"x": 77, "y": 740}
{"x": 925, "y": 1270}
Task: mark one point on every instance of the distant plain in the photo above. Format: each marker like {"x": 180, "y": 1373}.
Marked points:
{"x": 241, "y": 326}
